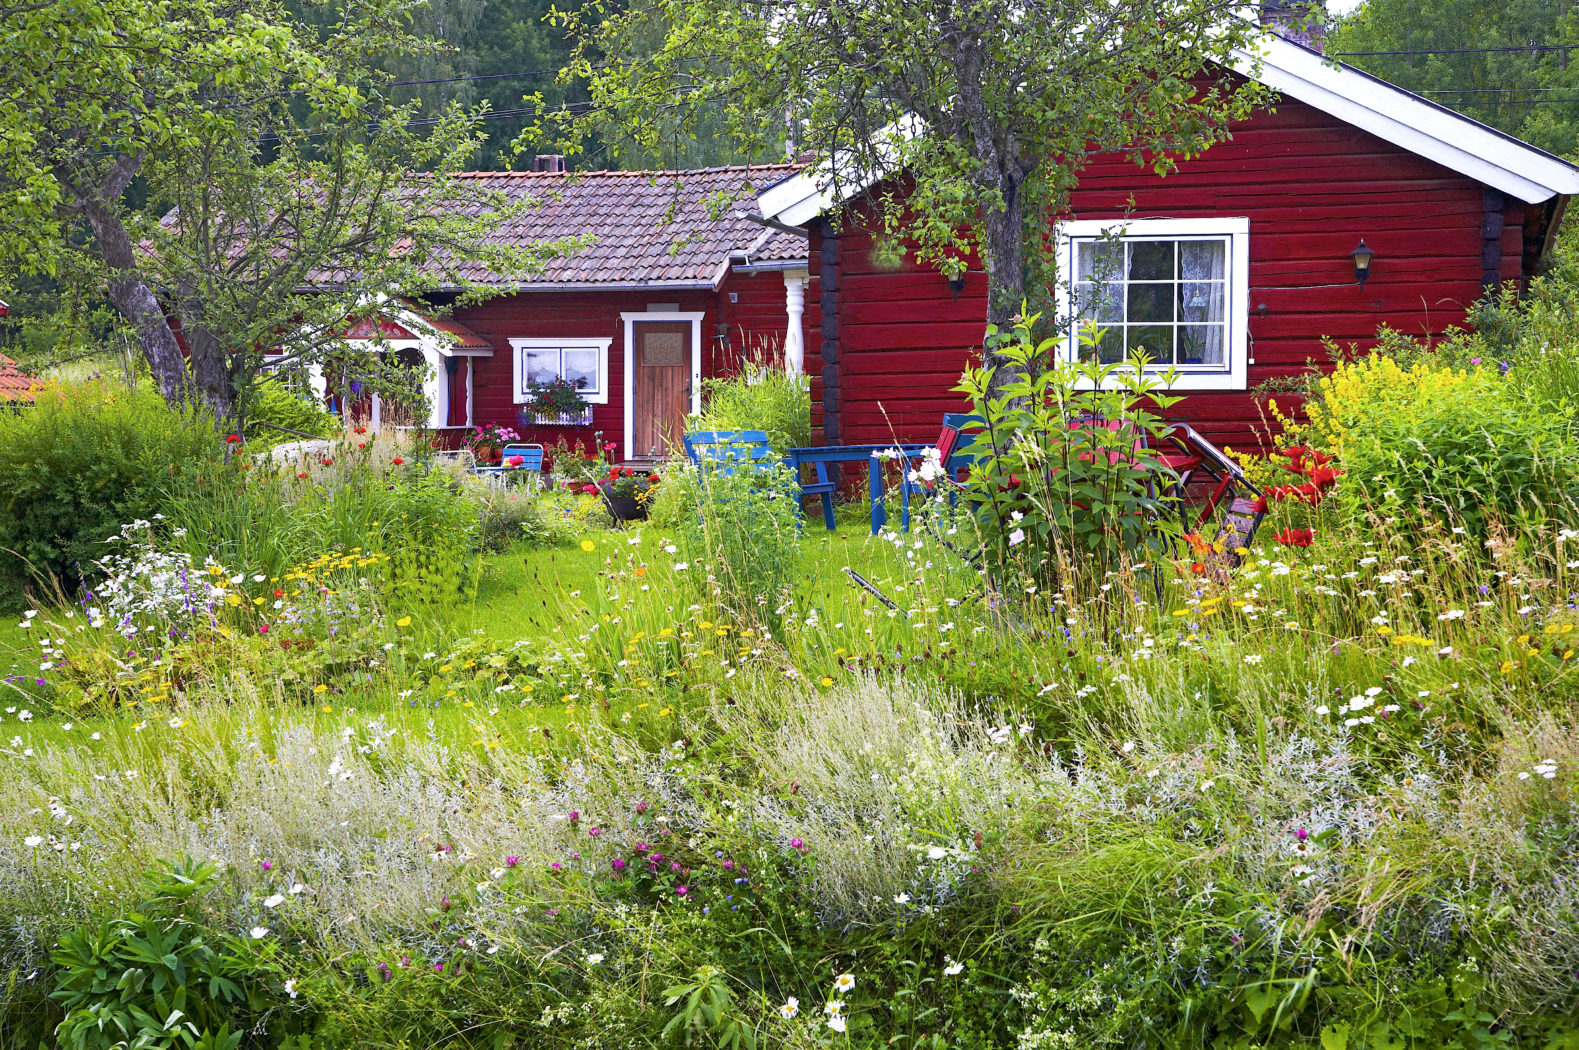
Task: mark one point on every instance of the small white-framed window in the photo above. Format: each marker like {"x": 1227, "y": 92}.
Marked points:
{"x": 584, "y": 362}
{"x": 1178, "y": 288}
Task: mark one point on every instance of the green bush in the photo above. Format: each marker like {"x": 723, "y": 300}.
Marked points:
{"x": 763, "y": 398}
{"x": 273, "y": 408}
{"x": 1462, "y": 444}
{"x": 80, "y": 463}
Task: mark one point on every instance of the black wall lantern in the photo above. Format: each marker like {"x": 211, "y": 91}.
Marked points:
{"x": 1362, "y": 262}
{"x": 956, "y": 278}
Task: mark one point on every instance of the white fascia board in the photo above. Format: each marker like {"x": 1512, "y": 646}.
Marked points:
{"x": 798, "y": 200}
{"x": 1396, "y": 116}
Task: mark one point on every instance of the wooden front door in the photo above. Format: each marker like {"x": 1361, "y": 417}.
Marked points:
{"x": 660, "y": 386}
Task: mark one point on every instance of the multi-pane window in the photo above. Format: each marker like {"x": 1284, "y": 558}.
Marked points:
{"x": 1171, "y": 287}
{"x": 1168, "y": 296}
{"x": 542, "y": 361}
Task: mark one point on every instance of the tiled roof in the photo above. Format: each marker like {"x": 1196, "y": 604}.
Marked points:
{"x": 14, "y": 386}
{"x": 649, "y": 226}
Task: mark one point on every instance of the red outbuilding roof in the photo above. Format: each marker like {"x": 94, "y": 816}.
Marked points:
{"x": 14, "y": 385}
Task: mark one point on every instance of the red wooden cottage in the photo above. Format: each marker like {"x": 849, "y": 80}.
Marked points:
{"x": 667, "y": 294}
{"x": 1233, "y": 268}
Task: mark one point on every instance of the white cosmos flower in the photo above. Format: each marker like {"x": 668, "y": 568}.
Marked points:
{"x": 33, "y": 841}
{"x": 259, "y": 932}
{"x": 274, "y": 901}
{"x": 844, "y": 982}
{"x": 952, "y": 968}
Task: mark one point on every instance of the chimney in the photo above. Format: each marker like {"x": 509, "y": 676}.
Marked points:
{"x": 1302, "y": 22}
{"x": 548, "y": 162}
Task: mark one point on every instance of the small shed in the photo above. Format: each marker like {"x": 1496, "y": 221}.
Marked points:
{"x": 1233, "y": 269}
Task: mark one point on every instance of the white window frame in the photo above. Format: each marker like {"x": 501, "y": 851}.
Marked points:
{"x": 1235, "y": 230}
{"x": 518, "y": 378}
{"x": 631, "y": 320}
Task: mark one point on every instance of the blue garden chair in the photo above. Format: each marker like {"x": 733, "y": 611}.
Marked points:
{"x": 530, "y": 459}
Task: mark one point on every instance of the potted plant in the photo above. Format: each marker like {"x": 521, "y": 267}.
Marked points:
{"x": 626, "y": 491}
{"x": 556, "y": 403}
{"x": 488, "y": 439}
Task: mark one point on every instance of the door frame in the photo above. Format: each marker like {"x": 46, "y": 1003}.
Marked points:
{"x": 631, "y": 320}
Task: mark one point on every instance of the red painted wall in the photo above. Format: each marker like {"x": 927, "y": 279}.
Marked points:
{"x": 729, "y": 330}
{"x": 1311, "y": 186}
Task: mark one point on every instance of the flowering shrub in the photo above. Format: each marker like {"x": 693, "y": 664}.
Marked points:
{"x": 1433, "y": 440}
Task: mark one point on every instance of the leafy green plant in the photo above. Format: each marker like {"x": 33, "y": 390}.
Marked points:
{"x": 157, "y": 979}
{"x": 273, "y": 409}
{"x": 79, "y": 464}
{"x": 742, "y": 540}
{"x": 706, "y": 1013}
{"x": 763, "y": 397}
{"x": 1064, "y": 468}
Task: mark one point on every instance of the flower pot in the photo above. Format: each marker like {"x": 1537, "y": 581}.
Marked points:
{"x": 625, "y": 508}
{"x": 484, "y": 453}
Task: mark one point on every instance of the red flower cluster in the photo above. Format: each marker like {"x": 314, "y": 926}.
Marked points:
{"x": 1312, "y": 465}
{"x": 1296, "y": 537}
{"x": 233, "y": 439}
{"x": 397, "y": 461}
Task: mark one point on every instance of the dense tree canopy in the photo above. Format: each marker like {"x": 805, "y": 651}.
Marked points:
{"x": 990, "y": 107}
{"x": 302, "y": 192}
{"x": 1511, "y": 63}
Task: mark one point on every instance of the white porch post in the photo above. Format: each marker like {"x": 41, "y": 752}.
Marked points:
{"x": 794, "y": 306}
{"x": 436, "y": 386}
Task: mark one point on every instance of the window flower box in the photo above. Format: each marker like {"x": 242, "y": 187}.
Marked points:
{"x": 581, "y": 417}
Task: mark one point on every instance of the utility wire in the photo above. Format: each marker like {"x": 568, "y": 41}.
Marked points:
{"x": 1463, "y": 50}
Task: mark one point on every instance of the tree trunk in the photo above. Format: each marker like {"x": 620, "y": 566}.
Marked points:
{"x": 1003, "y": 255}
{"x": 126, "y": 288}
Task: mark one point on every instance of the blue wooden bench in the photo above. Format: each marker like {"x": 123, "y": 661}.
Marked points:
{"x": 729, "y": 450}
{"x": 819, "y": 458}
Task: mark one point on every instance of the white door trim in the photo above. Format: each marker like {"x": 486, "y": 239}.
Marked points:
{"x": 631, "y": 320}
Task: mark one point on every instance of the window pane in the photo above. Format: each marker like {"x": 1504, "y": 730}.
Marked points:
{"x": 1156, "y": 339}
{"x": 1150, "y": 302}
{"x": 1099, "y": 302}
{"x": 581, "y": 368}
{"x": 1098, "y": 261}
{"x": 1202, "y": 260}
{"x": 1201, "y": 301}
{"x": 1201, "y": 344}
{"x": 540, "y": 366}
{"x": 1151, "y": 260}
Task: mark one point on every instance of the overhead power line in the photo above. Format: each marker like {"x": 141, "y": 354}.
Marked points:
{"x": 1462, "y": 50}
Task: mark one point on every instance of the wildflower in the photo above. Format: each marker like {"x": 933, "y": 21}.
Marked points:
{"x": 902, "y": 898}
{"x": 267, "y": 865}
{"x": 952, "y": 968}
{"x": 404, "y": 621}
{"x": 398, "y": 461}
{"x": 233, "y": 439}
{"x": 290, "y": 988}
{"x": 836, "y": 1022}
{"x": 619, "y": 865}
{"x": 259, "y": 932}
{"x": 274, "y": 901}
{"x": 511, "y": 862}
{"x": 1016, "y": 537}
{"x": 33, "y": 841}
{"x": 682, "y": 891}
{"x": 797, "y": 844}
{"x": 1295, "y": 537}
{"x": 594, "y": 958}
{"x": 790, "y": 1008}
{"x": 844, "y": 982}
{"x": 588, "y": 545}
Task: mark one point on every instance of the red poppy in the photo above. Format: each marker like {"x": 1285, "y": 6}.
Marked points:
{"x": 398, "y": 461}
{"x": 246, "y": 466}
{"x": 1295, "y": 537}
{"x": 302, "y": 477}
{"x": 326, "y": 462}
{"x": 233, "y": 439}
{"x": 279, "y": 594}
{"x": 1199, "y": 568}
{"x": 361, "y": 430}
